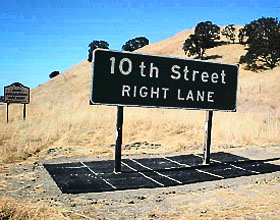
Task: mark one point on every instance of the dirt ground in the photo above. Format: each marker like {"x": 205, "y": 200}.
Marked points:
{"x": 245, "y": 197}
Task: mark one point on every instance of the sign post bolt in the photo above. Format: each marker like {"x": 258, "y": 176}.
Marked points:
{"x": 118, "y": 146}
{"x": 207, "y": 140}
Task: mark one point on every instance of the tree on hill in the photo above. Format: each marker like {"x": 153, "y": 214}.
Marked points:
{"x": 207, "y": 30}
{"x": 263, "y": 43}
{"x": 229, "y": 32}
{"x": 257, "y": 28}
{"x": 135, "y": 44}
{"x": 246, "y": 33}
{"x": 194, "y": 45}
{"x": 94, "y": 45}
{"x": 54, "y": 74}
{"x": 241, "y": 36}
{"x": 204, "y": 37}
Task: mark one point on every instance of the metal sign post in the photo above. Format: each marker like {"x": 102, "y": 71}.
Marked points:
{"x": 118, "y": 147}
{"x": 132, "y": 79}
{"x": 207, "y": 137}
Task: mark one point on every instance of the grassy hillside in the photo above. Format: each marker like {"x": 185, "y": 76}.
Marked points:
{"x": 60, "y": 121}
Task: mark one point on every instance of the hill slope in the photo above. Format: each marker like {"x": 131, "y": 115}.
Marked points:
{"x": 59, "y": 117}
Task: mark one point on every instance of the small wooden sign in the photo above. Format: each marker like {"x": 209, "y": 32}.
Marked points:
{"x": 16, "y": 93}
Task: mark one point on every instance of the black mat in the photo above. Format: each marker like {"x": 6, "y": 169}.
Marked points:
{"x": 98, "y": 176}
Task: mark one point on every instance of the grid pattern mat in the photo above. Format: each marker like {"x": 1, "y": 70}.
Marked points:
{"x": 98, "y": 176}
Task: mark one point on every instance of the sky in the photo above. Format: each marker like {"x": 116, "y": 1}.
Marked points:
{"x": 40, "y": 36}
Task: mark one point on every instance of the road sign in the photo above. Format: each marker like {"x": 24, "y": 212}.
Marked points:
{"x": 17, "y": 93}
{"x": 130, "y": 79}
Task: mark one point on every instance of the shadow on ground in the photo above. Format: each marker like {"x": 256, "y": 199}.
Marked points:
{"x": 98, "y": 176}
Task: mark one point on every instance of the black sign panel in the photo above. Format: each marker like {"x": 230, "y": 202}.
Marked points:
{"x": 17, "y": 93}
{"x": 130, "y": 79}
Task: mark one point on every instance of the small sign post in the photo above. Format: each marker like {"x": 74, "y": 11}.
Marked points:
{"x": 16, "y": 93}
{"x": 24, "y": 111}
{"x": 131, "y": 79}
{"x": 7, "y": 110}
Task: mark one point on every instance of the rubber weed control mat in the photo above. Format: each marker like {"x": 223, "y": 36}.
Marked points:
{"x": 98, "y": 176}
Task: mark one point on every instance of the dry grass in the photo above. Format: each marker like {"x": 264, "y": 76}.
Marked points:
{"x": 23, "y": 210}
{"x": 59, "y": 116}
{"x": 12, "y": 209}
{"x": 249, "y": 202}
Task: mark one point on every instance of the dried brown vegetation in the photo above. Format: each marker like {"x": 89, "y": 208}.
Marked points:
{"x": 59, "y": 115}
{"x": 24, "y": 210}
{"x": 60, "y": 122}
{"x": 249, "y": 202}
